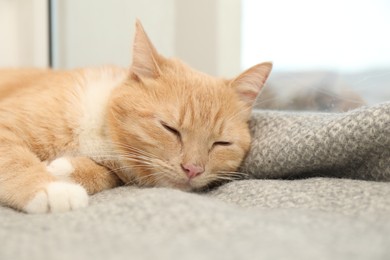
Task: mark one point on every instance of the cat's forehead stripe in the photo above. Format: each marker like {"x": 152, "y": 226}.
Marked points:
{"x": 196, "y": 117}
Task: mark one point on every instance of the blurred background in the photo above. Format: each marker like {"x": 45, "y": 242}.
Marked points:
{"x": 328, "y": 55}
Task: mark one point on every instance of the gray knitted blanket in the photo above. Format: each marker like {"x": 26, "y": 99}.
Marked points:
{"x": 315, "y": 218}
{"x": 354, "y": 145}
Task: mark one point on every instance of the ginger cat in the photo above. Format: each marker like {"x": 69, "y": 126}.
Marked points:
{"x": 67, "y": 134}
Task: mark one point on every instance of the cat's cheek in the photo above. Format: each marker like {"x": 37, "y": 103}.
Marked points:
{"x": 226, "y": 160}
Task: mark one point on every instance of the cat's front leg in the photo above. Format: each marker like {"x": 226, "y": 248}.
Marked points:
{"x": 57, "y": 196}
{"x": 84, "y": 171}
{"x": 26, "y": 185}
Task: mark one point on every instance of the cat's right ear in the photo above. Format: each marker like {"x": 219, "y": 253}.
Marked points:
{"x": 145, "y": 56}
{"x": 249, "y": 83}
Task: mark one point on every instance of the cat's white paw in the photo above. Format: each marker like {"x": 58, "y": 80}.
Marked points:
{"x": 61, "y": 168}
{"x": 58, "y": 197}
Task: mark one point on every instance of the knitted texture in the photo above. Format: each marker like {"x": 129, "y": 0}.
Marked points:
{"x": 318, "y": 218}
{"x": 354, "y": 144}
{"x": 315, "y": 218}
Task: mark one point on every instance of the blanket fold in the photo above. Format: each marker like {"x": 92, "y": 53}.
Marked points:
{"x": 355, "y": 144}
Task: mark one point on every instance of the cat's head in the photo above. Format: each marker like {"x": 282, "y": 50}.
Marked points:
{"x": 177, "y": 127}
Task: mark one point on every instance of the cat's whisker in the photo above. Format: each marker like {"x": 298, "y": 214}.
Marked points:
{"x": 241, "y": 110}
{"x": 132, "y": 149}
{"x": 144, "y": 162}
{"x": 154, "y": 176}
{"x": 125, "y": 146}
{"x": 124, "y": 157}
{"x": 224, "y": 176}
{"x": 128, "y": 157}
{"x": 139, "y": 160}
{"x": 131, "y": 167}
{"x": 232, "y": 177}
{"x": 234, "y": 173}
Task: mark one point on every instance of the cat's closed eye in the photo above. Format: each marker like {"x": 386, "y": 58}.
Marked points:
{"x": 222, "y": 143}
{"x": 171, "y": 130}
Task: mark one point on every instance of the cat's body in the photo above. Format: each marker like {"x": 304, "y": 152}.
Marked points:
{"x": 64, "y": 134}
{"x": 63, "y": 108}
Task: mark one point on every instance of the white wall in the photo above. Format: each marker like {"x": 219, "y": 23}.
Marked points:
{"x": 208, "y": 35}
{"x": 23, "y": 33}
{"x": 229, "y": 37}
{"x": 203, "y": 33}
{"x": 93, "y": 32}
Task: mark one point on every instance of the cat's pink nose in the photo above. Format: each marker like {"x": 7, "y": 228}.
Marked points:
{"x": 192, "y": 170}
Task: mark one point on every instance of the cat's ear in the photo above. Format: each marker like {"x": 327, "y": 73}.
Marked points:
{"x": 249, "y": 83}
{"x": 145, "y": 56}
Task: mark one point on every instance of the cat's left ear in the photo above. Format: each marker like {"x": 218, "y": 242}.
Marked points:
{"x": 145, "y": 56}
{"x": 249, "y": 83}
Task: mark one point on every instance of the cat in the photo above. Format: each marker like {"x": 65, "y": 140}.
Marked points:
{"x": 65, "y": 135}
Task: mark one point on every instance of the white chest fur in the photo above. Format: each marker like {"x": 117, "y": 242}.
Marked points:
{"x": 99, "y": 84}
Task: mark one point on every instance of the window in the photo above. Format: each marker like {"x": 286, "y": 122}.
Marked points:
{"x": 338, "y": 48}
